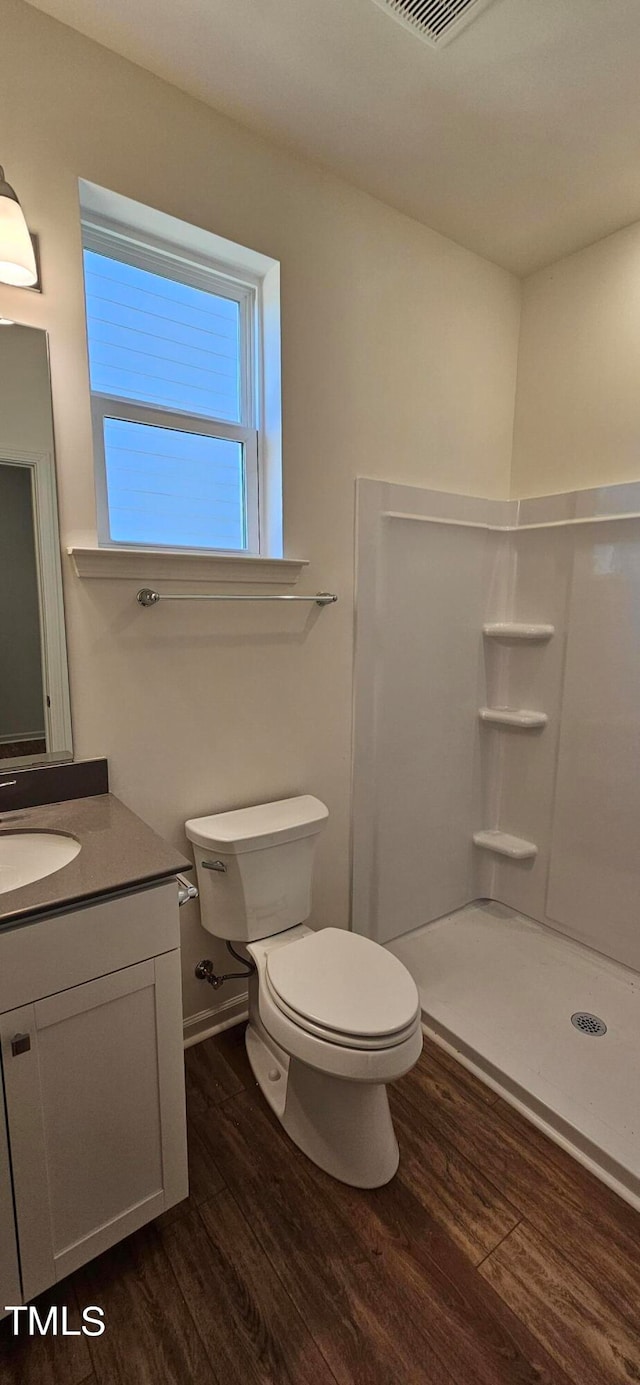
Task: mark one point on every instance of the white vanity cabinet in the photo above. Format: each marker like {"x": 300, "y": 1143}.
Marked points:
{"x": 93, "y": 1068}
{"x": 10, "y": 1290}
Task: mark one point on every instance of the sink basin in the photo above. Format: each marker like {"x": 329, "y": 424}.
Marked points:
{"x": 28, "y": 856}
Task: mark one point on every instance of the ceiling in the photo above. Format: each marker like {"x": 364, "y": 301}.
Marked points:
{"x": 520, "y": 139}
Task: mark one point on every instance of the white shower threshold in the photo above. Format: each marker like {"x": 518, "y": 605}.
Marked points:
{"x": 498, "y": 990}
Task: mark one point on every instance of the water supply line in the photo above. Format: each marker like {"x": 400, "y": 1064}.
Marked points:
{"x": 204, "y": 970}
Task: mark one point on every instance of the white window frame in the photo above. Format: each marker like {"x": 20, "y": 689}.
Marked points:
{"x": 159, "y": 257}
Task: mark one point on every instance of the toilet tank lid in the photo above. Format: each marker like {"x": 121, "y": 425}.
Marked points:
{"x": 253, "y": 829}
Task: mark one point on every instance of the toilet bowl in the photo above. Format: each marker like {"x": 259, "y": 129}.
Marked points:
{"x": 333, "y": 1016}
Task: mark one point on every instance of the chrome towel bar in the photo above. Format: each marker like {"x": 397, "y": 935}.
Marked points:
{"x": 148, "y": 597}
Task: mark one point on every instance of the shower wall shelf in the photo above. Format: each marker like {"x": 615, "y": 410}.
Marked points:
{"x": 516, "y": 848}
{"x": 516, "y": 630}
{"x": 513, "y": 716}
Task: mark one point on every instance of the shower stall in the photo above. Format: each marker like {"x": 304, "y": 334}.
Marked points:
{"x": 496, "y": 818}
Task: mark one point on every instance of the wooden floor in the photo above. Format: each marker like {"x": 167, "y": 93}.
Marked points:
{"x": 492, "y": 1257}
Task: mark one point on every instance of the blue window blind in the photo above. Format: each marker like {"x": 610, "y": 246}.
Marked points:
{"x": 160, "y": 342}
{"x": 168, "y": 487}
{"x": 165, "y": 362}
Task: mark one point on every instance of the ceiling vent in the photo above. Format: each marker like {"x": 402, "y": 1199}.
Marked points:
{"x": 434, "y": 21}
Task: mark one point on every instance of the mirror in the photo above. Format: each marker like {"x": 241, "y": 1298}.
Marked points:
{"x": 35, "y": 720}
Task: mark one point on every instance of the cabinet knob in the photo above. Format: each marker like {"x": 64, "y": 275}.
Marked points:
{"x": 20, "y": 1043}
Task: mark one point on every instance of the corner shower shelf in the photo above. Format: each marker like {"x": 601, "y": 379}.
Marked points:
{"x": 515, "y": 630}
{"x": 513, "y": 716}
{"x": 504, "y": 845}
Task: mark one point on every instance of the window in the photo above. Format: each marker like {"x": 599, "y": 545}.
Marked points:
{"x": 174, "y": 344}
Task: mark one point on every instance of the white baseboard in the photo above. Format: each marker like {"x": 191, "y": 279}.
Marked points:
{"x": 212, "y": 1021}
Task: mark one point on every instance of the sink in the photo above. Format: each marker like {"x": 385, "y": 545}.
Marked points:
{"x": 28, "y": 856}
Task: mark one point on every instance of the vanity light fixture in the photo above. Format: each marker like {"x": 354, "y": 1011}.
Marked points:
{"x": 17, "y": 257}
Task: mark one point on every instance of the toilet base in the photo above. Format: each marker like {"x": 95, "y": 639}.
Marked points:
{"x": 344, "y": 1127}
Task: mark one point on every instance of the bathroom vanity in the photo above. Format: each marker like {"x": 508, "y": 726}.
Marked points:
{"x": 92, "y": 1120}
{"x": 92, "y": 1127}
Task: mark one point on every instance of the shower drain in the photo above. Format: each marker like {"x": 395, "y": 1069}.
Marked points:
{"x": 588, "y": 1024}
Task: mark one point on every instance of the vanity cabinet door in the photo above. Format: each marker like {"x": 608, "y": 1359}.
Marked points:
{"x": 10, "y": 1290}
{"x": 95, "y": 1100}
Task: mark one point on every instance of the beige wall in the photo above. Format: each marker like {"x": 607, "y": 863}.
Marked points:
{"x": 578, "y": 396}
{"x": 399, "y": 354}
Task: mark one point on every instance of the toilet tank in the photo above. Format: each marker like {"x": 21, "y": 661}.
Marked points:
{"x": 254, "y": 866}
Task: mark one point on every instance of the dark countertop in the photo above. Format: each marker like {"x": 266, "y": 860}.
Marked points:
{"x": 118, "y": 851}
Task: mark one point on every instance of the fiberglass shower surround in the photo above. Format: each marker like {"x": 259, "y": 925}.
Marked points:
{"x": 498, "y": 711}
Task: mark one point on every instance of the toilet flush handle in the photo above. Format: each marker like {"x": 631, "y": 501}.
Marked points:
{"x": 215, "y": 865}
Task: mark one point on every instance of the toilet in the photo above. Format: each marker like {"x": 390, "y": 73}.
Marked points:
{"x": 333, "y": 1017}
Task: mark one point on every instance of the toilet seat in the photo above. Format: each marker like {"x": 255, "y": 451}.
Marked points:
{"x": 325, "y": 1051}
{"x": 344, "y": 989}
{"x": 333, "y": 1036}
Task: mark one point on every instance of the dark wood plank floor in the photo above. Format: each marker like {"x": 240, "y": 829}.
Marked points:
{"x": 492, "y": 1257}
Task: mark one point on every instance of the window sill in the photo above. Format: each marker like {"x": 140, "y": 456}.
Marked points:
{"x": 145, "y": 564}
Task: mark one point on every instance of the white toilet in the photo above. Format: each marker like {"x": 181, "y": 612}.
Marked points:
{"x": 333, "y": 1017}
